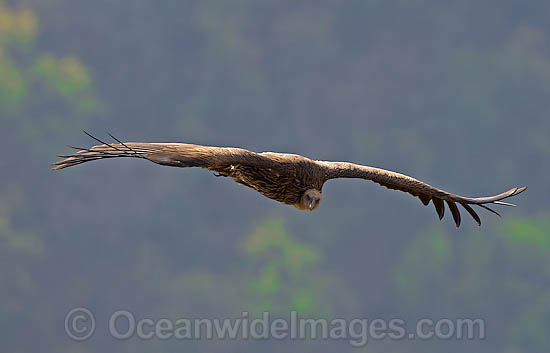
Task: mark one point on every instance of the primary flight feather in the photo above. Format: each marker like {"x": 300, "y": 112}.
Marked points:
{"x": 288, "y": 178}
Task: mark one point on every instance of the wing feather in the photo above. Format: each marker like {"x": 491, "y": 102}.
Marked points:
{"x": 425, "y": 198}
{"x": 439, "y": 207}
{"x": 425, "y": 192}
{"x": 169, "y": 154}
{"x": 454, "y": 211}
{"x": 471, "y": 212}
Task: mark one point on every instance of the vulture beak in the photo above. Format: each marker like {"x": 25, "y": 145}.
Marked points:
{"x": 312, "y": 202}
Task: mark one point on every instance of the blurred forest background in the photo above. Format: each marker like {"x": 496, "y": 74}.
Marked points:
{"x": 453, "y": 93}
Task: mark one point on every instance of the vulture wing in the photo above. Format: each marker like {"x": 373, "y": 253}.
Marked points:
{"x": 423, "y": 191}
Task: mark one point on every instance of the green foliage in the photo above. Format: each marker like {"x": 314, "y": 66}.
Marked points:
{"x": 283, "y": 282}
{"x": 472, "y": 275}
{"x": 273, "y": 237}
{"x": 428, "y": 256}
{"x": 286, "y": 274}
{"x": 56, "y": 90}
{"x": 67, "y": 75}
{"x": 534, "y": 234}
{"x": 17, "y": 26}
{"x": 12, "y": 84}
{"x": 16, "y": 29}
{"x": 455, "y": 94}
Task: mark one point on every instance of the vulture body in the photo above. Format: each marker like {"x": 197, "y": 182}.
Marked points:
{"x": 288, "y": 178}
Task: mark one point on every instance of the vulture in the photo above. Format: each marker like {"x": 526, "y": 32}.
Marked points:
{"x": 288, "y": 178}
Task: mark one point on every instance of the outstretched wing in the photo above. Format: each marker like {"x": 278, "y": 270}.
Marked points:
{"x": 423, "y": 191}
{"x": 169, "y": 154}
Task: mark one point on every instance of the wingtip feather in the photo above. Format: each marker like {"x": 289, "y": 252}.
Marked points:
{"x": 472, "y": 213}
{"x": 439, "y": 207}
{"x": 489, "y": 209}
{"x": 454, "y": 211}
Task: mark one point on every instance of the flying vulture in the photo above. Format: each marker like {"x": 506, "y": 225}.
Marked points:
{"x": 288, "y": 178}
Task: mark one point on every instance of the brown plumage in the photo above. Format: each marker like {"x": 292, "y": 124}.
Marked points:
{"x": 288, "y": 178}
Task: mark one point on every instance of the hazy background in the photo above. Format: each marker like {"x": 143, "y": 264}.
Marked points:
{"x": 453, "y": 93}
